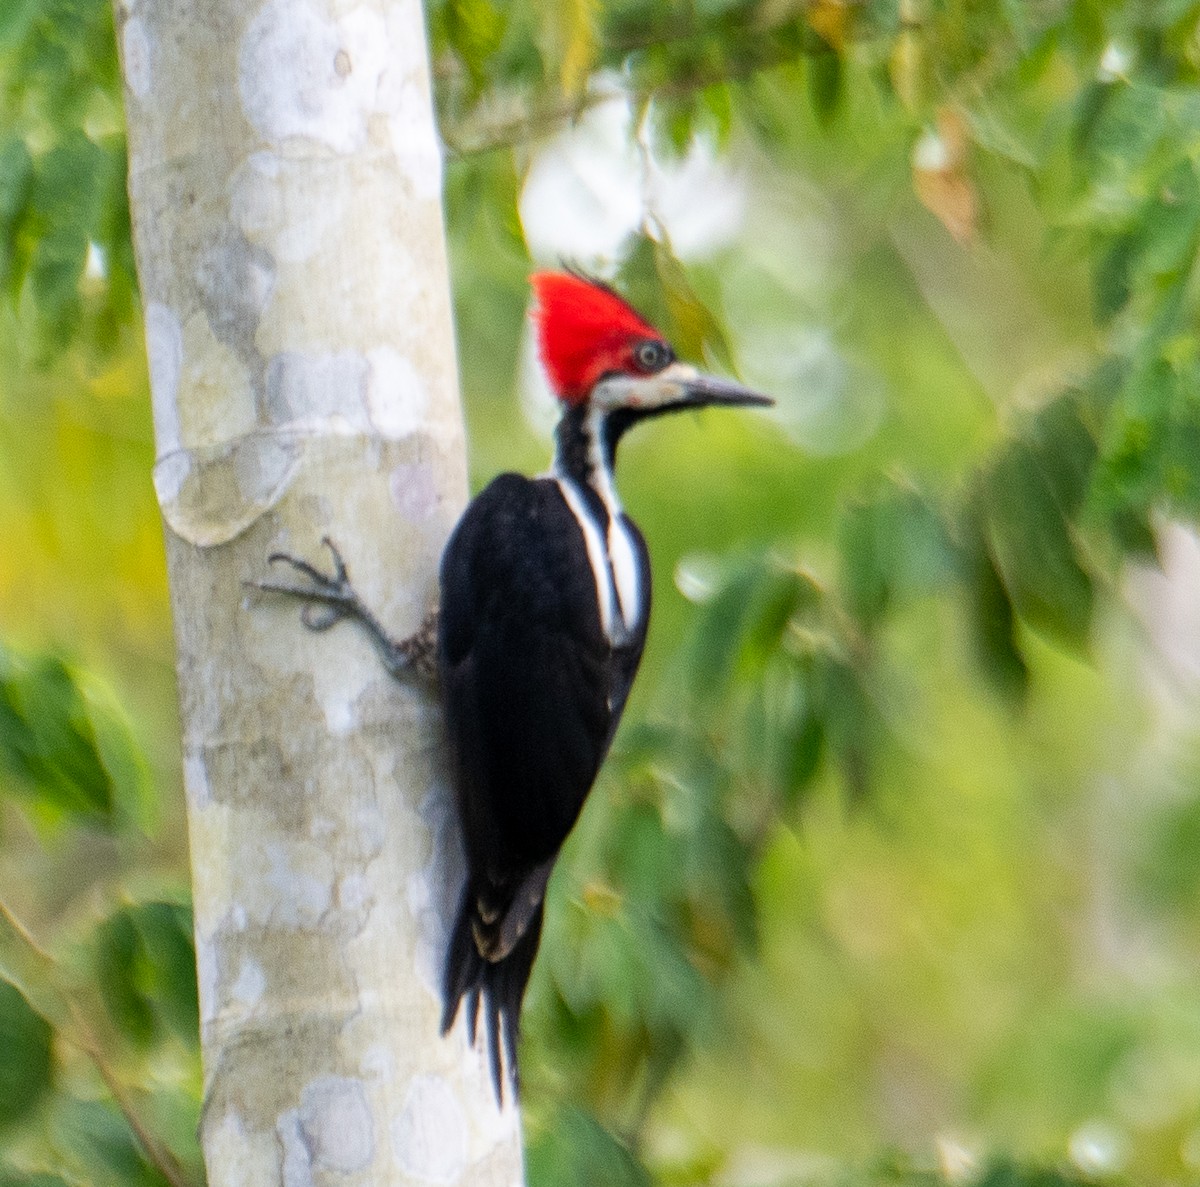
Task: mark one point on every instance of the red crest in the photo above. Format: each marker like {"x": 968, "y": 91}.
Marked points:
{"x": 584, "y": 331}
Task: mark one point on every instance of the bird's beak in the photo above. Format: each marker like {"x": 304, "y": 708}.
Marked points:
{"x": 703, "y": 391}
{"x": 675, "y": 388}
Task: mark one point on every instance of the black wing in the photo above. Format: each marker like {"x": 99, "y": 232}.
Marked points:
{"x": 531, "y": 686}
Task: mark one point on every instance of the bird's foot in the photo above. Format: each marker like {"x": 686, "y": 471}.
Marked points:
{"x": 330, "y": 598}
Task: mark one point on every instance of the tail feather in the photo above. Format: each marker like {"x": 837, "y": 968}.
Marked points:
{"x": 463, "y": 970}
{"x": 492, "y": 1043}
{"x": 472, "y": 1014}
{"x": 498, "y": 985}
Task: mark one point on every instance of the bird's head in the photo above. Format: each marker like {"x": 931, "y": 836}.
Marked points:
{"x": 601, "y": 354}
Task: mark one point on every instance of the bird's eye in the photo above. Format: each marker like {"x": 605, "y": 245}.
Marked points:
{"x": 652, "y": 355}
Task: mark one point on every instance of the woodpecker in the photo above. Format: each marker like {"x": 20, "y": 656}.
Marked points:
{"x": 545, "y": 601}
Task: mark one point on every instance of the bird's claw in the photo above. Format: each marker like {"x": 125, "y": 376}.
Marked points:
{"x": 330, "y": 598}
{"x": 339, "y": 565}
{"x": 339, "y": 580}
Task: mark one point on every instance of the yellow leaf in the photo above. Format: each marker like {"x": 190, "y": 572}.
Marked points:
{"x": 579, "y": 44}
{"x": 940, "y": 177}
{"x": 832, "y": 20}
{"x": 907, "y": 64}
{"x": 601, "y": 899}
{"x": 695, "y": 332}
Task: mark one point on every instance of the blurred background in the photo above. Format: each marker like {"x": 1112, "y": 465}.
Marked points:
{"x": 892, "y": 876}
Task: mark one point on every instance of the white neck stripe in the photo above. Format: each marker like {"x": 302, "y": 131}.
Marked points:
{"x": 596, "y": 551}
{"x": 612, "y": 554}
{"x": 601, "y": 474}
{"x": 622, "y": 557}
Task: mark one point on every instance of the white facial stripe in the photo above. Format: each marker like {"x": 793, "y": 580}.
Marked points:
{"x": 643, "y": 391}
{"x": 596, "y": 551}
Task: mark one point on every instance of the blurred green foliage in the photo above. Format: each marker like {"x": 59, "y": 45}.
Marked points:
{"x": 892, "y": 876}
{"x": 25, "y": 1075}
{"x": 62, "y": 173}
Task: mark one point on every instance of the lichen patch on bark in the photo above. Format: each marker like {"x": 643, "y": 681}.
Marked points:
{"x": 303, "y": 74}
{"x": 430, "y": 1136}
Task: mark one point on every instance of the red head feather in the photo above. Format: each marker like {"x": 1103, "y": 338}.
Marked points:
{"x": 584, "y": 331}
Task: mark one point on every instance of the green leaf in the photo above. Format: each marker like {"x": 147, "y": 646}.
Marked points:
{"x": 474, "y": 29}
{"x": 673, "y": 1002}
{"x": 824, "y": 79}
{"x": 737, "y": 630}
{"x": 1181, "y": 475}
{"x": 780, "y": 593}
{"x": 1034, "y": 550}
{"x": 1007, "y": 1173}
{"x": 764, "y": 104}
{"x": 991, "y": 616}
{"x": 851, "y": 726}
{"x": 1126, "y": 130}
{"x": 991, "y": 131}
{"x": 16, "y": 179}
{"x": 16, "y": 17}
{"x": 658, "y": 285}
{"x": 718, "y": 875}
{"x": 716, "y": 637}
{"x": 643, "y": 863}
{"x": 72, "y": 184}
{"x": 717, "y": 106}
{"x": 166, "y": 933}
{"x": 96, "y": 1141}
{"x": 146, "y": 970}
{"x": 1089, "y": 108}
{"x": 800, "y": 741}
{"x": 26, "y": 1062}
{"x": 863, "y": 576}
{"x": 123, "y": 973}
{"x": 14, "y": 1178}
{"x": 893, "y": 545}
{"x": 47, "y": 739}
{"x": 1170, "y": 225}
{"x": 1136, "y": 440}
{"x": 674, "y": 124}
{"x": 66, "y": 59}
{"x": 133, "y": 803}
{"x": 1169, "y": 871}
{"x": 1134, "y": 535}
{"x": 1065, "y": 448}
{"x": 54, "y": 272}
{"x": 575, "y": 1150}
{"x": 1112, "y": 282}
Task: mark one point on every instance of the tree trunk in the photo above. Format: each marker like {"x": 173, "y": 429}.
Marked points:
{"x": 285, "y": 184}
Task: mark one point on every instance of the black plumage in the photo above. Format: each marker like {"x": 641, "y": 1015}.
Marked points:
{"x": 532, "y": 689}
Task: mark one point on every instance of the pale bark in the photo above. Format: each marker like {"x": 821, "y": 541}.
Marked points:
{"x": 285, "y": 185}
